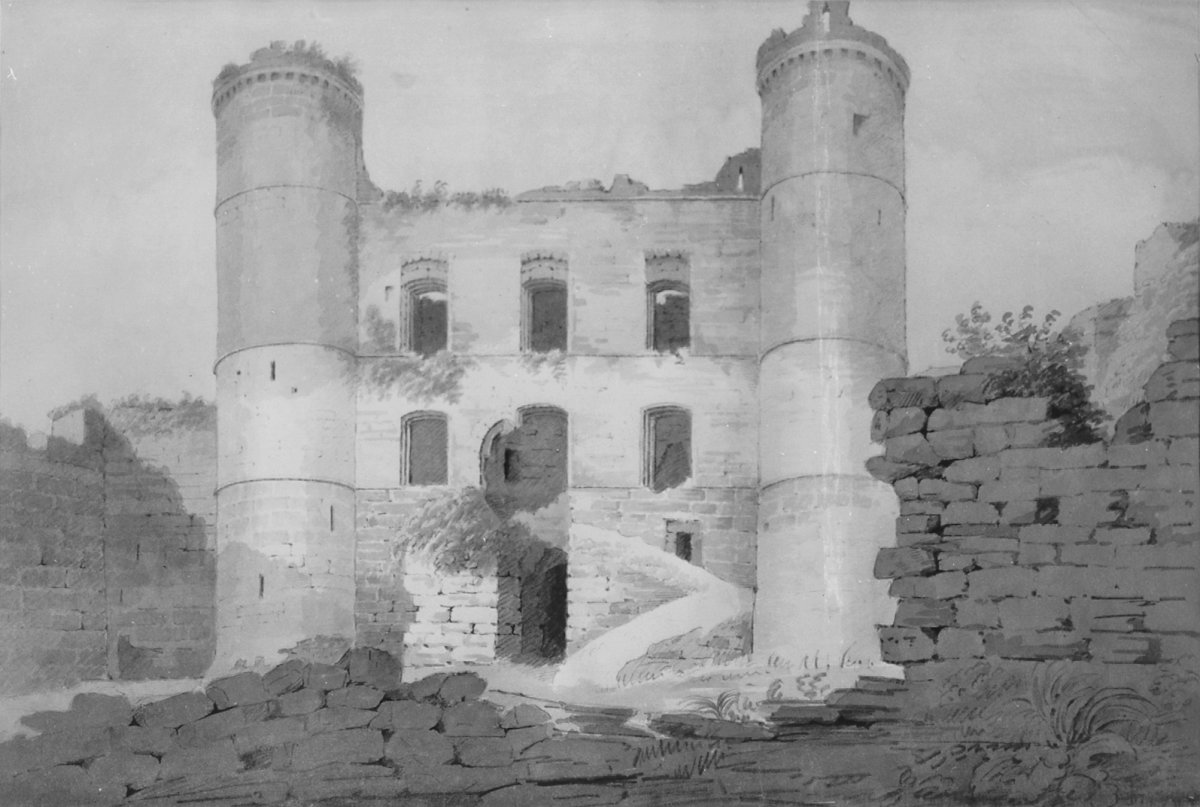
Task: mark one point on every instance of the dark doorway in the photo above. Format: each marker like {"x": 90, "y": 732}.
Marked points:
{"x": 544, "y": 608}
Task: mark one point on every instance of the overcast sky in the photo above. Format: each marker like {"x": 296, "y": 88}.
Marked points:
{"x": 1044, "y": 139}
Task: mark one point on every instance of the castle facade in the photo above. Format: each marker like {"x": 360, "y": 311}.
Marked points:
{"x": 665, "y": 391}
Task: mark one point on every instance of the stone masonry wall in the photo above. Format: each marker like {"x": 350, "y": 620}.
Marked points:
{"x": 109, "y": 572}
{"x": 1010, "y": 549}
{"x": 53, "y": 625}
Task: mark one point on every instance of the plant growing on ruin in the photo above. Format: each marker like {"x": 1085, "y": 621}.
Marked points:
{"x": 728, "y": 705}
{"x": 417, "y": 198}
{"x": 308, "y": 52}
{"x": 422, "y": 379}
{"x": 1045, "y": 363}
{"x": 460, "y": 531}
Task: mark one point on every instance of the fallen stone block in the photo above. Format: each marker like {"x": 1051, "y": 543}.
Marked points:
{"x": 142, "y": 740}
{"x": 952, "y": 444}
{"x": 523, "y": 715}
{"x": 1033, "y": 614}
{"x": 424, "y": 689}
{"x": 372, "y": 667}
{"x": 990, "y": 365}
{"x": 893, "y": 562}
{"x": 910, "y": 449}
{"x": 472, "y": 719}
{"x": 87, "y": 709}
{"x": 406, "y": 716}
{"x": 218, "y": 790}
{"x": 342, "y": 782}
{"x": 352, "y": 745}
{"x": 895, "y": 393}
{"x": 218, "y": 758}
{"x": 57, "y": 748}
{"x": 325, "y": 677}
{"x": 218, "y": 725}
{"x": 953, "y": 390}
{"x": 976, "y": 613}
{"x": 943, "y": 491}
{"x": 269, "y": 733}
{"x": 414, "y": 749}
{"x": 355, "y": 697}
{"x": 287, "y": 677}
{"x": 891, "y": 472}
{"x": 461, "y": 687}
{"x": 300, "y": 702}
{"x": 173, "y": 711}
{"x": 1124, "y": 648}
{"x": 337, "y": 718}
{"x": 237, "y": 690}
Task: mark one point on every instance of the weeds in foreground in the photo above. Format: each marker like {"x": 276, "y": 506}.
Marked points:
{"x": 728, "y": 705}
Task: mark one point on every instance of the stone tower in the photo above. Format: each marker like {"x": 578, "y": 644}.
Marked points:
{"x": 833, "y": 322}
{"x": 289, "y": 135}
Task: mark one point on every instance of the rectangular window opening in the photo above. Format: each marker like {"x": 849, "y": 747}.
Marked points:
{"x": 262, "y": 586}
{"x": 670, "y": 319}
{"x": 331, "y": 518}
{"x": 859, "y": 120}
{"x": 683, "y": 546}
{"x": 547, "y": 318}
{"x": 429, "y": 321}
{"x": 669, "y": 449}
{"x": 427, "y": 451}
{"x": 272, "y": 371}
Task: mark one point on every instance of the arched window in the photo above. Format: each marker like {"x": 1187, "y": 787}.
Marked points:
{"x": 668, "y": 316}
{"x": 668, "y": 301}
{"x": 424, "y": 449}
{"x": 544, "y": 302}
{"x": 424, "y": 305}
{"x": 427, "y": 316}
{"x": 668, "y": 447}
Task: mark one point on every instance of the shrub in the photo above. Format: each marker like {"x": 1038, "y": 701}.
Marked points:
{"x": 417, "y": 198}
{"x": 1047, "y": 363}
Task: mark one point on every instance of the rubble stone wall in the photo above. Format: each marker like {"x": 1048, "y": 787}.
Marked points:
{"x": 1007, "y": 548}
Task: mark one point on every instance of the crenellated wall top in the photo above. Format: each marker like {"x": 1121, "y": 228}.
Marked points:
{"x": 304, "y": 65}
{"x": 828, "y": 32}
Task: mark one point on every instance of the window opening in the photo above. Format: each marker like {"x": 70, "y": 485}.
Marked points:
{"x": 547, "y": 312}
{"x": 683, "y": 546}
{"x": 272, "y": 371}
{"x": 331, "y": 518}
{"x": 428, "y": 320}
{"x": 262, "y": 586}
{"x": 668, "y": 448}
{"x": 669, "y": 317}
{"x": 425, "y": 441}
{"x": 859, "y": 120}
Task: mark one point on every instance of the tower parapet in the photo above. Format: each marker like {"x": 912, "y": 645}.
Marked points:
{"x": 289, "y": 135}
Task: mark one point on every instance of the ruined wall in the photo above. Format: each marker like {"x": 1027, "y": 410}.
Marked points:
{"x": 1012, "y": 550}
{"x": 1125, "y": 336}
{"x": 604, "y": 382}
{"x": 53, "y": 625}
{"x": 108, "y": 551}
{"x": 160, "y": 575}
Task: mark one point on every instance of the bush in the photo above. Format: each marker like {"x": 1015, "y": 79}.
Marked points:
{"x": 1048, "y": 363}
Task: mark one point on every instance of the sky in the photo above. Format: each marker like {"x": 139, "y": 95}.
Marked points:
{"x": 1044, "y": 140}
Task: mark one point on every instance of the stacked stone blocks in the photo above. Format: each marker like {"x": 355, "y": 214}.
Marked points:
{"x": 305, "y": 731}
{"x": 1012, "y": 549}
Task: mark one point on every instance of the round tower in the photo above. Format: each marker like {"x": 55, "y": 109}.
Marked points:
{"x": 833, "y": 324}
{"x": 289, "y": 134}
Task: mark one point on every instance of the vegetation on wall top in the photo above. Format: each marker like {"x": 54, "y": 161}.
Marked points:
{"x": 146, "y": 413}
{"x": 310, "y": 53}
{"x": 417, "y": 198}
{"x": 1045, "y": 363}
